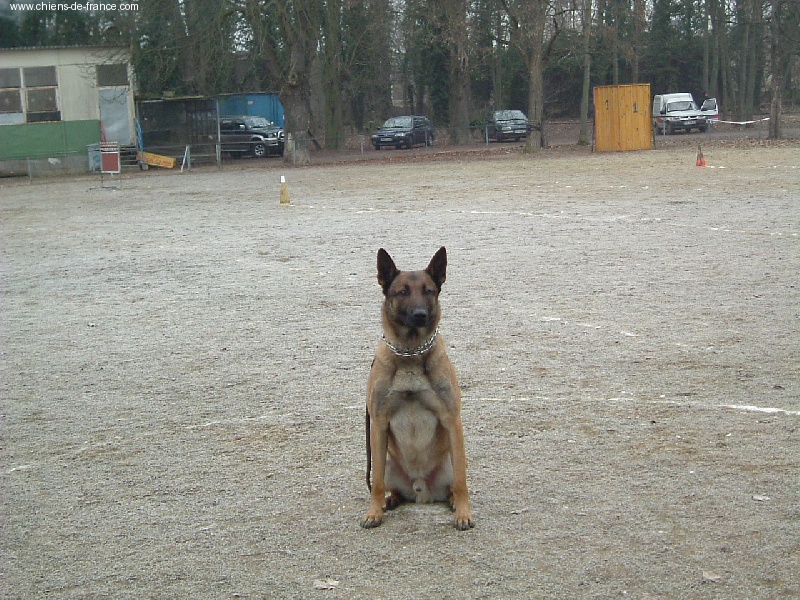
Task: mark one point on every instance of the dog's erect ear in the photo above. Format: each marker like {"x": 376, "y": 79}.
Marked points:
{"x": 437, "y": 268}
{"x": 386, "y": 270}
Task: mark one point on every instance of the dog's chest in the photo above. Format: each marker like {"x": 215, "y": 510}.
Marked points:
{"x": 412, "y": 402}
{"x": 413, "y": 426}
{"x": 410, "y": 380}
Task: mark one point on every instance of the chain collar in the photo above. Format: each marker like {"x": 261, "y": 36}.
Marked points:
{"x": 421, "y": 349}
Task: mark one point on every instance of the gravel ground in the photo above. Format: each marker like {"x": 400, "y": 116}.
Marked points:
{"x": 184, "y": 364}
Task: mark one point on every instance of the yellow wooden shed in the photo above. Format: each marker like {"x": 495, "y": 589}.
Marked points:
{"x": 622, "y": 119}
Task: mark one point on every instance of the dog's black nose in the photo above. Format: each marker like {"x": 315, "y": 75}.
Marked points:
{"x": 419, "y": 316}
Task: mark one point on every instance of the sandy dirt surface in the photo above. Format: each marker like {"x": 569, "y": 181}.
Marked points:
{"x": 184, "y": 364}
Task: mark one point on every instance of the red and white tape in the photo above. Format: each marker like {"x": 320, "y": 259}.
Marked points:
{"x": 741, "y": 122}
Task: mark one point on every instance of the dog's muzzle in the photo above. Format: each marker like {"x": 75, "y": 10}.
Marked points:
{"x": 418, "y": 318}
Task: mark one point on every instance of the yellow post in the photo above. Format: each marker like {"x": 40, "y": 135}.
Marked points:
{"x": 286, "y": 200}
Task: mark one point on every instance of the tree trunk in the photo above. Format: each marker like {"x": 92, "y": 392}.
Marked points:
{"x": 583, "y": 137}
{"x": 459, "y": 70}
{"x": 729, "y": 98}
{"x": 497, "y": 65}
{"x": 301, "y": 47}
{"x": 535, "y": 140}
{"x": 639, "y": 26}
{"x": 784, "y": 35}
{"x": 332, "y": 70}
{"x": 713, "y": 79}
{"x": 527, "y": 20}
{"x": 706, "y": 50}
{"x": 264, "y": 55}
{"x": 295, "y": 97}
{"x": 757, "y": 32}
{"x": 615, "y": 42}
{"x": 752, "y": 76}
{"x": 744, "y": 53}
{"x": 776, "y": 107}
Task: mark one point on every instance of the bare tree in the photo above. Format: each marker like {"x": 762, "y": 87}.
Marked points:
{"x": 335, "y": 61}
{"x": 721, "y": 71}
{"x": 455, "y": 28}
{"x": 367, "y": 49}
{"x": 332, "y": 73}
{"x": 528, "y": 19}
{"x": 285, "y": 37}
{"x": 639, "y": 26}
{"x": 207, "y": 56}
{"x": 301, "y": 25}
{"x": 784, "y": 32}
{"x": 748, "y": 16}
{"x": 262, "y": 36}
{"x": 498, "y": 50}
{"x": 583, "y": 137}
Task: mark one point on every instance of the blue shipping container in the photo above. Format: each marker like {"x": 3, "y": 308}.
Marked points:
{"x": 262, "y": 105}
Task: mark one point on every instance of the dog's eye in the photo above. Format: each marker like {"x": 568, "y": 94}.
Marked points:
{"x": 429, "y": 292}
{"x": 404, "y": 291}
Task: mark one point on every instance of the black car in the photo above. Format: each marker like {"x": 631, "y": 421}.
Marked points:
{"x": 404, "y": 132}
{"x": 507, "y": 125}
{"x": 243, "y": 134}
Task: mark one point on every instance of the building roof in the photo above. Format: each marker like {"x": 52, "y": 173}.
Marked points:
{"x": 76, "y": 47}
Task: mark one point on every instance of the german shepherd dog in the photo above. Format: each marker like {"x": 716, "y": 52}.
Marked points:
{"x": 415, "y": 440}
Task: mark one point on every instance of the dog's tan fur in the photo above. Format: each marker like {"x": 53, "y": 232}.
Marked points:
{"x": 414, "y": 431}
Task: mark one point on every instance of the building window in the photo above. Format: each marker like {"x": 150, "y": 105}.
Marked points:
{"x": 29, "y": 95}
{"x": 9, "y": 78}
{"x": 10, "y": 101}
{"x": 41, "y": 94}
{"x": 40, "y": 76}
{"x": 11, "y": 97}
{"x": 42, "y": 105}
{"x": 112, "y": 75}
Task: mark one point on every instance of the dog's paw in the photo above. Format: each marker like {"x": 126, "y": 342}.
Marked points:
{"x": 393, "y": 500}
{"x": 371, "y": 521}
{"x": 464, "y": 522}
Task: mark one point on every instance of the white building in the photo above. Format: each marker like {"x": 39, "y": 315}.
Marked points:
{"x": 56, "y": 101}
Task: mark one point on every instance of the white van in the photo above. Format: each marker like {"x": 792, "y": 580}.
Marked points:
{"x": 673, "y": 112}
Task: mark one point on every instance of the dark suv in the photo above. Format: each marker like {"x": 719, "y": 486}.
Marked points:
{"x": 404, "y": 132}
{"x": 507, "y": 124}
{"x": 250, "y": 135}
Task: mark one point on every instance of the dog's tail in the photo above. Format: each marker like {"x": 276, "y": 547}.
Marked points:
{"x": 369, "y": 454}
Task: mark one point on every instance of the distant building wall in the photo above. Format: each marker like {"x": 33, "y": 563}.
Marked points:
{"x": 56, "y": 101}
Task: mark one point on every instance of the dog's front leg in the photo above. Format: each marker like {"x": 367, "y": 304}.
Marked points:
{"x": 378, "y": 442}
{"x": 458, "y": 454}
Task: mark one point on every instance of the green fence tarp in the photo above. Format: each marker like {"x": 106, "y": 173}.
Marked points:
{"x": 44, "y": 140}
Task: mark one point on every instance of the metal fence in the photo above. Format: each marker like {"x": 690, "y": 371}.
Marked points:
{"x": 358, "y": 146}
{"x": 756, "y": 128}
{"x": 204, "y": 150}
{"x": 343, "y": 147}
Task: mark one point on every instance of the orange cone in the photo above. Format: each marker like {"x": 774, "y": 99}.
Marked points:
{"x": 701, "y": 161}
